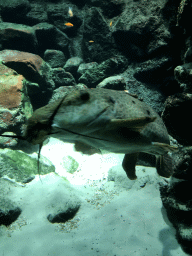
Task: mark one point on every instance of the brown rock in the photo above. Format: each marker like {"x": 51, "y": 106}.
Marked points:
{"x": 15, "y": 105}
{"x": 24, "y": 63}
{"x": 10, "y": 88}
{"x": 35, "y": 70}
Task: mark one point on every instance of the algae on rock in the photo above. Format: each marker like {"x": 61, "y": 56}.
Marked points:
{"x": 19, "y": 166}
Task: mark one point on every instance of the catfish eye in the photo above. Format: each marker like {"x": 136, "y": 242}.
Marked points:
{"x": 84, "y": 95}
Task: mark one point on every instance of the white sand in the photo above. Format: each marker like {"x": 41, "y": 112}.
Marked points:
{"x": 121, "y": 218}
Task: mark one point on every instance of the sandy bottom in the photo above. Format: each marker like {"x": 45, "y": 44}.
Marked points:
{"x": 116, "y": 218}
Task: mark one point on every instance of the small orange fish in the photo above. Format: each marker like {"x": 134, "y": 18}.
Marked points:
{"x": 70, "y": 12}
{"x": 91, "y": 41}
{"x": 68, "y": 24}
{"x": 110, "y": 24}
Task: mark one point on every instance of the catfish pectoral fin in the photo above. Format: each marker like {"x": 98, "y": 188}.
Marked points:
{"x": 86, "y": 149}
{"x": 129, "y": 163}
{"x": 164, "y": 165}
{"x": 136, "y": 124}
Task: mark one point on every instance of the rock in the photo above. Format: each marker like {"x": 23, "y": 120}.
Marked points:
{"x": 59, "y": 201}
{"x": 14, "y": 10}
{"x": 37, "y": 14}
{"x": 183, "y": 164}
{"x": 34, "y": 69}
{"x": 63, "y": 203}
{"x": 50, "y": 37}
{"x": 81, "y": 86}
{"x": 142, "y": 36}
{"x": 54, "y": 58}
{"x": 19, "y": 166}
{"x": 184, "y": 14}
{"x": 70, "y": 164}
{"x": 31, "y": 66}
{"x": 177, "y": 201}
{"x": 183, "y": 74}
{"x": 113, "y": 83}
{"x": 188, "y": 55}
{"x": 62, "y": 78}
{"x": 9, "y": 211}
{"x": 75, "y": 47}
{"x": 110, "y": 8}
{"x": 72, "y": 65}
{"x": 8, "y": 142}
{"x": 95, "y": 28}
{"x": 60, "y": 93}
{"x": 176, "y": 117}
{"x": 58, "y": 15}
{"x": 63, "y": 215}
{"x": 18, "y": 37}
{"x": 33, "y": 90}
{"x": 149, "y": 70}
{"x": 15, "y": 105}
{"x": 107, "y": 68}
{"x": 63, "y": 90}
{"x": 84, "y": 66}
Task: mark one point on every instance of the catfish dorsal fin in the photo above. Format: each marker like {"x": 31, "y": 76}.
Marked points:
{"x": 136, "y": 124}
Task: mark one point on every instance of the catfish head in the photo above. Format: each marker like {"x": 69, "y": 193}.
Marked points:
{"x": 78, "y": 111}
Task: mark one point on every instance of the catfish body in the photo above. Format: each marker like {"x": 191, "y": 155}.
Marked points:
{"x": 105, "y": 119}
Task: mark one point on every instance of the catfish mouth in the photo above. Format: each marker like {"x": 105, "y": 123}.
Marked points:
{"x": 95, "y": 121}
{"x": 76, "y": 133}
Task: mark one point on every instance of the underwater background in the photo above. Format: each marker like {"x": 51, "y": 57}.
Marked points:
{"x": 67, "y": 200}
